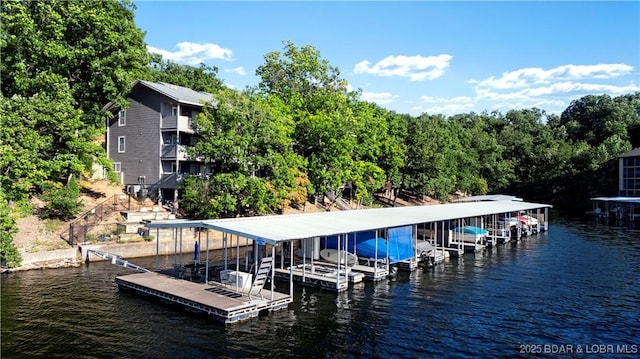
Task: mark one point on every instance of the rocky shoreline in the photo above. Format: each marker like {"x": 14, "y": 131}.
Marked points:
{"x": 49, "y": 264}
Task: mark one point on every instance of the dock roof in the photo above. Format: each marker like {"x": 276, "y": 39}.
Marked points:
{"x": 489, "y": 197}
{"x": 617, "y": 199}
{"x": 279, "y": 228}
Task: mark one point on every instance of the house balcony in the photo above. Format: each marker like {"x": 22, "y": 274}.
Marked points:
{"x": 179, "y": 152}
{"x": 172, "y": 180}
{"x": 180, "y": 123}
{"x": 169, "y": 180}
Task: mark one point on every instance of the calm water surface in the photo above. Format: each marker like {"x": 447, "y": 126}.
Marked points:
{"x": 577, "y": 285}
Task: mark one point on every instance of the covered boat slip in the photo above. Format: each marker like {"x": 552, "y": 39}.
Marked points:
{"x": 275, "y": 237}
{"x": 620, "y": 208}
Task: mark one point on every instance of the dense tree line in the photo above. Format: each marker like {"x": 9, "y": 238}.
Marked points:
{"x": 301, "y": 132}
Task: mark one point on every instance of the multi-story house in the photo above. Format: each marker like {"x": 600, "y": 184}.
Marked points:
{"x": 148, "y": 141}
{"x": 629, "y": 175}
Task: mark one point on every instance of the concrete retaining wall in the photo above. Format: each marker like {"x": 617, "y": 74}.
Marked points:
{"x": 58, "y": 254}
{"x": 167, "y": 246}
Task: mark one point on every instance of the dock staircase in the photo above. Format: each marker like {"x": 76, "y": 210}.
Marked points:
{"x": 261, "y": 276}
{"x": 116, "y": 260}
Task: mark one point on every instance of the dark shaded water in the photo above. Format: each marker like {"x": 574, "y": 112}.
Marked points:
{"x": 577, "y": 285}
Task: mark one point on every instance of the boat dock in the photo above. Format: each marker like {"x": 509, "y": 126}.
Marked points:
{"x": 368, "y": 244}
{"x": 617, "y": 208}
{"x": 222, "y": 304}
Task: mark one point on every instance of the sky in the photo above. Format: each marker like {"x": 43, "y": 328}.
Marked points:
{"x": 420, "y": 56}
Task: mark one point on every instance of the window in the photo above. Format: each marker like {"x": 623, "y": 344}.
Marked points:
{"x": 120, "y": 144}
{"x": 122, "y": 118}
{"x": 117, "y": 167}
{"x": 174, "y": 111}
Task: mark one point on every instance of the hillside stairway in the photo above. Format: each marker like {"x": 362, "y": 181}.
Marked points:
{"x": 340, "y": 202}
{"x": 76, "y": 231}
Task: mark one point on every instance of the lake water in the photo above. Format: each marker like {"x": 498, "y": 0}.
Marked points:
{"x": 574, "y": 291}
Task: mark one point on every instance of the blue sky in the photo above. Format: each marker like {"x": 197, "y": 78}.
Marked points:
{"x": 415, "y": 57}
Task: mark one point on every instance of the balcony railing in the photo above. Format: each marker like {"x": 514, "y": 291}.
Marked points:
{"x": 172, "y": 180}
{"x": 180, "y": 123}
{"x": 179, "y": 152}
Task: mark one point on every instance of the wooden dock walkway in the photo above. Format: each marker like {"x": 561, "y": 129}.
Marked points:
{"x": 225, "y": 305}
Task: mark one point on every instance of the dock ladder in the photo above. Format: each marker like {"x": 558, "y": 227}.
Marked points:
{"x": 116, "y": 260}
{"x": 261, "y": 276}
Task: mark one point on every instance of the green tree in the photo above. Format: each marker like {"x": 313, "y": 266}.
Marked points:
{"x": 9, "y": 255}
{"x": 246, "y": 139}
{"x": 39, "y": 139}
{"x": 595, "y": 130}
{"x": 62, "y": 202}
{"x": 297, "y": 75}
{"x": 334, "y": 131}
{"x": 93, "y": 45}
{"x": 201, "y": 78}
{"x": 84, "y": 52}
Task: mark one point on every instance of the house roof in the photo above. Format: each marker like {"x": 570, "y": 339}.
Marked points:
{"x": 633, "y": 153}
{"x": 177, "y": 93}
{"x": 277, "y": 228}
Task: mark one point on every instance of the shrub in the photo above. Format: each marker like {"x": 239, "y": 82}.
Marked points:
{"x": 9, "y": 255}
{"x": 62, "y": 202}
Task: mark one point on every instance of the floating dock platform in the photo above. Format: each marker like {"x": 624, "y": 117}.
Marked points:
{"x": 224, "y": 305}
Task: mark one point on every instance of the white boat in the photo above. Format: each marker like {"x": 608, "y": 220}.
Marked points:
{"x": 331, "y": 256}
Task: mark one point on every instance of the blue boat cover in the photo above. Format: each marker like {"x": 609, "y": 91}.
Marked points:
{"x": 470, "y": 230}
{"x": 401, "y": 246}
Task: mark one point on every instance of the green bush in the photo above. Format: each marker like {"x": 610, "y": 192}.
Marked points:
{"x": 9, "y": 255}
{"x": 62, "y": 202}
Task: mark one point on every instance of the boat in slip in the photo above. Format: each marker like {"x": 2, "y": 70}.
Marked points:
{"x": 470, "y": 234}
{"x": 334, "y": 256}
{"x": 526, "y": 220}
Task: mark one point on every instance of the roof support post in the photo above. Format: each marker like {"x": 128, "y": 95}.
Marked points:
{"x": 206, "y": 268}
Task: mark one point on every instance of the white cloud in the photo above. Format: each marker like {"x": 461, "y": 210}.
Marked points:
{"x": 191, "y": 53}
{"x": 448, "y": 109}
{"x": 550, "y": 106}
{"x": 457, "y": 99}
{"x": 237, "y": 70}
{"x": 551, "y": 90}
{"x": 534, "y": 75}
{"x": 557, "y": 89}
{"x": 381, "y": 98}
{"x": 416, "y": 68}
{"x": 445, "y": 106}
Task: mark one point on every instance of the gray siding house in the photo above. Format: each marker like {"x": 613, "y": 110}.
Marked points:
{"x": 629, "y": 175}
{"x": 148, "y": 141}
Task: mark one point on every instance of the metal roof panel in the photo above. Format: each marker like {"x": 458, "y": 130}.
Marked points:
{"x": 278, "y": 228}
